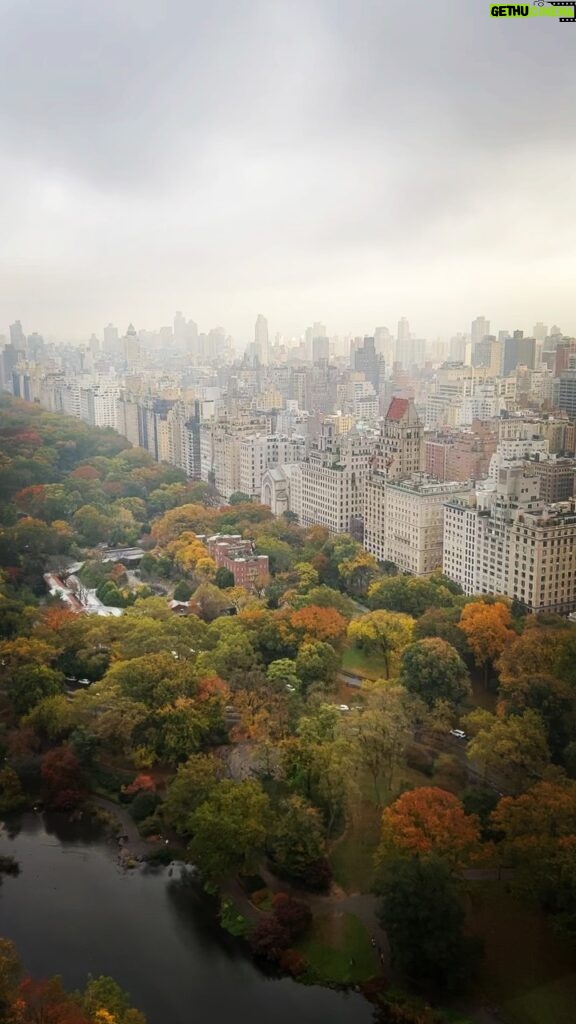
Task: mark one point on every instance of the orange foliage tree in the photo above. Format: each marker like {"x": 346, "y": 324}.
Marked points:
{"x": 488, "y": 629}
{"x": 316, "y": 623}
{"x": 429, "y": 821}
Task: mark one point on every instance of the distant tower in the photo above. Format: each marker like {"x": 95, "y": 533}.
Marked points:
{"x": 402, "y": 339}
{"x": 180, "y": 330}
{"x": 111, "y": 339}
{"x": 261, "y": 340}
{"x": 17, "y": 337}
{"x": 480, "y": 330}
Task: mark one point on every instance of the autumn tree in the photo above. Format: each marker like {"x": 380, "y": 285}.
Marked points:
{"x": 488, "y": 629}
{"x": 318, "y": 624}
{"x": 433, "y": 670}
{"x": 192, "y": 518}
{"x": 382, "y": 633}
{"x": 427, "y": 821}
{"x": 63, "y": 788}
{"x": 539, "y": 840}
{"x": 358, "y": 572}
{"x": 535, "y": 652}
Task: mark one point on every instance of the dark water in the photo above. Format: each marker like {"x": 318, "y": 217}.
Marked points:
{"x": 73, "y": 912}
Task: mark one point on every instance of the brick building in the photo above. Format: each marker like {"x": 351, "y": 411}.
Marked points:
{"x": 235, "y": 553}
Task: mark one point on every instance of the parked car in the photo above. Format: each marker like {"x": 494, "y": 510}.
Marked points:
{"x": 459, "y": 734}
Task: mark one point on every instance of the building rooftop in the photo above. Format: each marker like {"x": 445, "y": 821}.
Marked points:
{"x": 397, "y": 408}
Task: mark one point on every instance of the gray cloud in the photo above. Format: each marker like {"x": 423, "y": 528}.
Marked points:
{"x": 313, "y": 159}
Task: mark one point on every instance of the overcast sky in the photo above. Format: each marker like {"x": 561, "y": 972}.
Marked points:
{"x": 349, "y": 161}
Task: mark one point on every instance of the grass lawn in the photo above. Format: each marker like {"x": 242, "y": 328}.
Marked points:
{"x": 338, "y": 950}
{"x": 352, "y": 856}
{"x": 358, "y": 663}
{"x": 529, "y": 969}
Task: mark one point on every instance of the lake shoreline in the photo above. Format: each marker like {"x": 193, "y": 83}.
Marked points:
{"x": 76, "y": 910}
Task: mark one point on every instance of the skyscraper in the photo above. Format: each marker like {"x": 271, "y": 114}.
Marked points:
{"x": 261, "y": 340}
{"x": 402, "y": 339}
{"x": 17, "y": 337}
{"x": 317, "y": 330}
{"x": 110, "y": 339}
{"x": 366, "y": 361}
{"x": 480, "y": 330}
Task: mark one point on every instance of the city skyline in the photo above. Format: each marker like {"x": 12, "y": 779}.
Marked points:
{"x": 280, "y": 159}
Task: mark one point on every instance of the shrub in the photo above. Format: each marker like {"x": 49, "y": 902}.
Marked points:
{"x": 294, "y": 915}
{"x": 293, "y": 962}
{"x": 143, "y": 806}
{"x": 151, "y": 826}
{"x": 318, "y": 875}
{"x": 269, "y": 939}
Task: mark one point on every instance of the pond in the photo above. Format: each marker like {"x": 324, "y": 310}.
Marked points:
{"x": 73, "y": 911}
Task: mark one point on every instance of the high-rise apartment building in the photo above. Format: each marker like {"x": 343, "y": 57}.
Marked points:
{"x": 404, "y": 520}
{"x": 263, "y": 451}
{"x": 556, "y": 476}
{"x": 565, "y": 398}
{"x": 508, "y": 541}
{"x": 333, "y": 479}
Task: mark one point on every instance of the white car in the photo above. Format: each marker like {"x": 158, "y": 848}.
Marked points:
{"x": 459, "y": 734}
{"x": 343, "y": 707}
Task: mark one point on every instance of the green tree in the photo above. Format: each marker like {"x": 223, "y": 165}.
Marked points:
{"x": 283, "y": 674}
{"x": 316, "y": 662}
{"x": 443, "y": 624}
{"x": 433, "y": 670}
{"x": 551, "y": 698}
{"x": 28, "y": 685}
{"x": 12, "y": 796}
{"x": 297, "y": 837}
{"x": 183, "y": 727}
{"x": 192, "y": 785}
{"x": 515, "y": 747}
{"x": 409, "y": 594}
{"x": 103, "y": 994}
{"x": 424, "y": 920}
{"x": 224, "y": 579}
{"x": 379, "y": 734}
{"x": 52, "y": 718}
{"x": 182, "y": 591}
{"x": 230, "y": 828}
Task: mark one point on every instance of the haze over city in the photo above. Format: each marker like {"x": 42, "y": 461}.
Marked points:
{"x": 350, "y": 162}
{"x": 287, "y": 512}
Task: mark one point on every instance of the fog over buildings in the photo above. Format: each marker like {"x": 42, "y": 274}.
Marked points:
{"x": 357, "y": 162}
